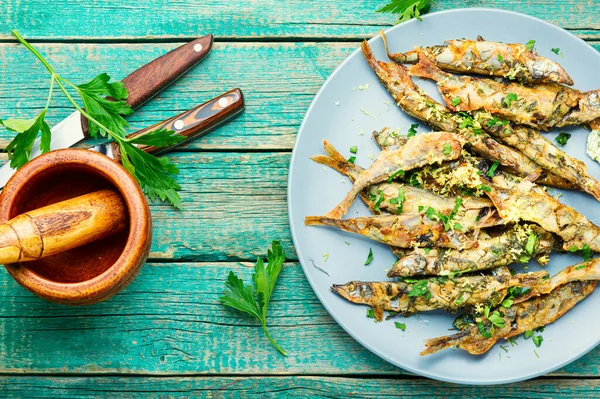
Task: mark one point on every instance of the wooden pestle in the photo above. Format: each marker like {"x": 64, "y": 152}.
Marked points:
{"x": 62, "y": 226}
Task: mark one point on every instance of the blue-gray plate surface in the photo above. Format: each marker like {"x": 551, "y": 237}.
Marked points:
{"x": 349, "y": 106}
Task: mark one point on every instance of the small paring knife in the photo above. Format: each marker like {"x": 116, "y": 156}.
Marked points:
{"x": 141, "y": 85}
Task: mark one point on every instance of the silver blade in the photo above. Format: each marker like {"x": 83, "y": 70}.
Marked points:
{"x": 64, "y": 134}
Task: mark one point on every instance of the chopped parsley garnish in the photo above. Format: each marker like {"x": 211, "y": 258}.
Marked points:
{"x": 530, "y": 245}
{"x": 353, "y": 149}
{"x": 413, "y": 130}
{"x": 455, "y": 101}
{"x": 427, "y": 251}
{"x": 447, "y": 149}
{"x": 371, "y": 315}
{"x": 380, "y": 199}
{"x": 530, "y": 45}
{"x": 555, "y": 50}
{"x": 399, "y": 200}
{"x": 485, "y": 188}
{"x": 562, "y": 138}
{"x": 432, "y": 214}
{"x": 369, "y": 257}
{"x": 483, "y": 330}
{"x": 507, "y": 303}
{"x": 500, "y": 58}
{"x": 510, "y": 97}
{"x": 517, "y": 291}
{"x": 395, "y": 174}
{"x": 496, "y": 319}
{"x": 493, "y": 168}
{"x": 496, "y": 122}
{"x": 585, "y": 251}
{"x": 537, "y": 340}
{"x": 419, "y": 289}
{"x": 528, "y": 334}
{"x": 352, "y": 159}
{"x": 325, "y": 256}
{"x": 466, "y": 122}
{"x": 400, "y": 326}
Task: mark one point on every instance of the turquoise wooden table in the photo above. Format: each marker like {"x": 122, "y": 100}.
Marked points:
{"x": 166, "y": 335}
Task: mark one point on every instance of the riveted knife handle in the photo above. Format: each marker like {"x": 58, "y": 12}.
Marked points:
{"x": 155, "y": 76}
{"x": 194, "y": 123}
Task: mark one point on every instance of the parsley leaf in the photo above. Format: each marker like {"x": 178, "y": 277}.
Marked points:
{"x": 19, "y": 149}
{"x": 496, "y": 319}
{"x": 395, "y": 174}
{"x": 254, "y": 300}
{"x": 483, "y": 330}
{"x": 371, "y": 315}
{"x": 530, "y": 45}
{"x": 500, "y": 58}
{"x": 399, "y": 200}
{"x": 352, "y": 159}
{"x": 562, "y": 138}
{"x": 510, "y": 97}
{"x": 447, "y": 149}
{"x": 555, "y": 50}
{"x": 401, "y": 326}
{"x": 528, "y": 334}
{"x": 354, "y": 149}
{"x": 419, "y": 289}
{"x": 537, "y": 340}
{"x": 407, "y": 9}
{"x": 455, "y": 101}
{"x": 493, "y": 168}
{"x": 369, "y": 257}
{"x": 380, "y": 199}
{"x": 530, "y": 245}
{"x": 586, "y": 252}
{"x": 413, "y": 130}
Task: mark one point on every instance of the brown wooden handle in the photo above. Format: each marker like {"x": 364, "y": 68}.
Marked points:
{"x": 155, "y": 76}
{"x": 194, "y": 123}
{"x": 62, "y": 226}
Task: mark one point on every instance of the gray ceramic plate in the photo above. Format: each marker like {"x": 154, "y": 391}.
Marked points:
{"x": 336, "y": 115}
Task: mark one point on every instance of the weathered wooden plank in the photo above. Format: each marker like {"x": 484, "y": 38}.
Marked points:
{"x": 279, "y": 81}
{"x": 110, "y": 19}
{"x": 169, "y": 321}
{"x": 283, "y": 387}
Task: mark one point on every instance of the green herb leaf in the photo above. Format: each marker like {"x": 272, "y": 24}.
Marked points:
{"x": 413, "y": 130}
{"x": 19, "y": 149}
{"x": 407, "y": 9}
{"x": 353, "y": 149}
{"x": 530, "y": 45}
{"x": 537, "y": 340}
{"x": 400, "y": 326}
{"x": 369, "y": 257}
{"x": 562, "y": 138}
{"x": 254, "y": 300}
{"x": 555, "y": 50}
{"x": 395, "y": 174}
{"x": 380, "y": 199}
{"x": 419, "y": 289}
{"x": 485, "y": 188}
{"x": 496, "y": 319}
{"x": 510, "y": 97}
{"x": 158, "y": 138}
{"x": 507, "y": 303}
{"x": 371, "y": 315}
{"x": 530, "y": 245}
{"x": 455, "y": 101}
{"x": 483, "y": 330}
{"x": 500, "y": 58}
{"x": 399, "y": 200}
{"x": 447, "y": 149}
{"x": 528, "y": 334}
{"x": 493, "y": 168}
{"x": 352, "y": 159}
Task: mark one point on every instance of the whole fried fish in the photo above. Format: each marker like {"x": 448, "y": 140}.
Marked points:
{"x": 434, "y": 293}
{"x": 412, "y": 100}
{"x": 527, "y": 202}
{"x": 502, "y": 250}
{"x": 405, "y": 231}
{"x": 420, "y": 150}
{"x": 512, "y": 61}
{"x": 517, "y": 319}
{"x": 542, "y": 107}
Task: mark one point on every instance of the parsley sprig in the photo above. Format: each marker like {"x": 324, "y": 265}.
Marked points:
{"x": 254, "y": 300}
{"x": 105, "y": 117}
{"x": 407, "y": 9}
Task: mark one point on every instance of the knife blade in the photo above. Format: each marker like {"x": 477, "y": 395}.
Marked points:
{"x": 142, "y": 85}
{"x": 190, "y": 124}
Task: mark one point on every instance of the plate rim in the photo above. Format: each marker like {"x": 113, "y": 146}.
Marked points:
{"x": 303, "y": 262}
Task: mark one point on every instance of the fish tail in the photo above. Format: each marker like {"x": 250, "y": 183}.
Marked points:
{"x": 342, "y": 208}
{"x": 410, "y": 57}
{"x": 337, "y": 162}
{"x": 366, "y": 49}
{"x": 426, "y": 69}
{"x": 318, "y": 221}
{"x": 436, "y": 344}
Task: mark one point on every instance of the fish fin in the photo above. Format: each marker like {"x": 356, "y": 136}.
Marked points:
{"x": 436, "y": 344}
{"x": 410, "y": 57}
{"x": 480, "y": 38}
{"x": 315, "y": 221}
{"x": 366, "y": 49}
{"x": 425, "y": 68}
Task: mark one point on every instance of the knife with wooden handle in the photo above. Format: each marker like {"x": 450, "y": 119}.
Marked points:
{"x": 141, "y": 85}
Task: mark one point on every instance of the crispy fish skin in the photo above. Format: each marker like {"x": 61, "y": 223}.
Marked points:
{"x": 390, "y": 192}
{"x": 538, "y": 147}
{"x": 420, "y": 150}
{"x": 542, "y": 107}
{"x": 513, "y": 61}
{"x": 502, "y": 250}
{"x": 525, "y": 201}
{"x": 439, "y": 293}
{"x": 412, "y": 100}
{"x": 585, "y": 271}
{"x": 403, "y": 231}
{"x": 521, "y": 317}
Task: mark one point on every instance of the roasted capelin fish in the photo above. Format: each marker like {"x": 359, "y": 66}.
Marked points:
{"x": 542, "y": 106}
{"x": 405, "y": 231}
{"x": 413, "y": 296}
{"x": 528, "y": 202}
{"x": 585, "y": 271}
{"x": 518, "y": 243}
{"x": 397, "y": 198}
{"x": 420, "y": 150}
{"x": 517, "y": 319}
{"x": 412, "y": 100}
{"x": 511, "y": 61}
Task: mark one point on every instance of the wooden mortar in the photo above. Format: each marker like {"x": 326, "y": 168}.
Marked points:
{"x": 95, "y": 271}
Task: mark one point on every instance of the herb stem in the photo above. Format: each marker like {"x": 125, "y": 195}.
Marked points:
{"x": 33, "y": 50}
{"x": 264, "y": 327}
{"x": 50, "y": 93}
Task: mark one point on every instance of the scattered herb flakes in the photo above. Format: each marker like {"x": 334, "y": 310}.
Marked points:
{"x": 493, "y": 168}
{"x": 364, "y": 111}
{"x": 455, "y": 101}
{"x": 325, "y": 256}
{"x": 530, "y": 45}
{"x": 485, "y": 188}
{"x": 398, "y": 173}
{"x": 580, "y": 267}
{"x": 419, "y": 288}
{"x": 528, "y": 334}
{"x": 530, "y": 245}
{"x": 354, "y": 149}
{"x": 379, "y": 200}
{"x": 537, "y": 340}
{"x": 427, "y": 250}
{"x": 504, "y": 348}
{"x": 585, "y": 251}
{"x": 563, "y": 138}
{"x": 361, "y": 132}
{"x": 555, "y": 50}
{"x": 352, "y": 159}
{"x": 347, "y": 243}
{"x": 337, "y": 103}
{"x": 483, "y": 330}
{"x": 507, "y": 303}
{"x": 413, "y": 130}
{"x": 371, "y": 315}
{"x": 369, "y": 257}
{"x": 401, "y": 326}
{"x": 496, "y": 319}
{"x": 510, "y": 97}
{"x": 399, "y": 200}
{"x": 539, "y": 329}
{"x": 500, "y": 58}
{"x": 536, "y": 354}
{"x": 496, "y": 122}
{"x": 447, "y": 149}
